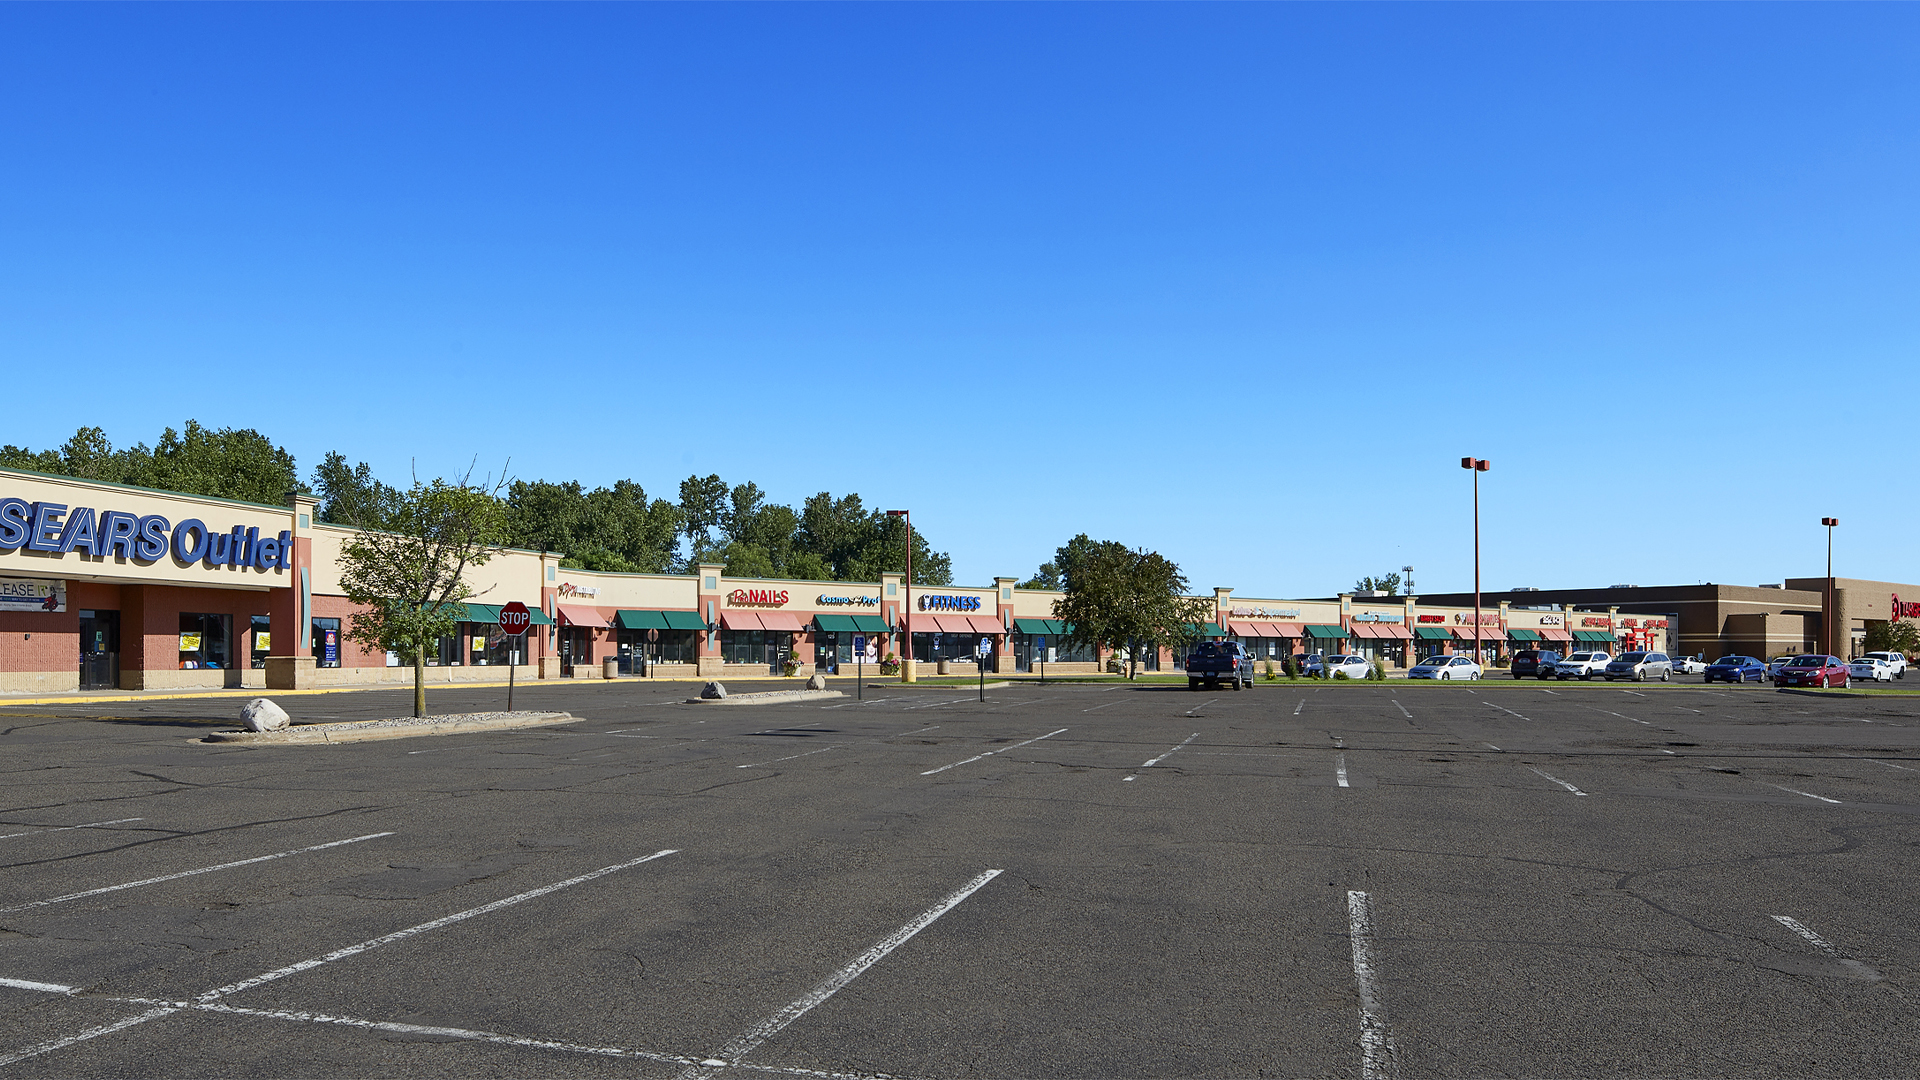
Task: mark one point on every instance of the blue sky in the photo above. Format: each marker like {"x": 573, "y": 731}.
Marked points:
{"x": 1240, "y": 283}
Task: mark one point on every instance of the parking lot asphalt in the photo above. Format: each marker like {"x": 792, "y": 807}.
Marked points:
{"x": 1072, "y": 880}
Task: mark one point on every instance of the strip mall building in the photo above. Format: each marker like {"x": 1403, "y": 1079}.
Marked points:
{"x": 103, "y": 586}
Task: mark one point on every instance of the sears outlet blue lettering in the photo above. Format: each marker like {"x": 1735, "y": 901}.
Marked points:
{"x": 46, "y": 518}
{"x": 80, "y": 532}
{"x": 190, "y": 541}
{"x": 119, "y": 534}
{"x": 153, "y": 539}
{"x": 15, "y": 515}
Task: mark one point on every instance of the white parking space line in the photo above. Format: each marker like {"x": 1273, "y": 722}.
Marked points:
{"x": 1340, "y": 769}
{"x": 1202, "y": 705}
{"x": 1402, "y": 708}
{"x": 1490, "y": 746}
{"x": 915, "y": 731}
{"x": 412, "y": 931}
{"x": 1797, "y": 791}
{"x": 936, "y": 704}
{"x": 1635, "y": 693}
{"x": 1826, "y": 946}
{"x": 1510, "y": 712}
{"x": 789, "y": 757}
{"x": 990, "y": 753}
{"x": 70, "y": 828}
{"x": 1109, "y": 704}
{"x": 749, "y": 1040}
{"x": 1557, "y": 780}
{"x": 1155, "y": 761}
{"x": 1555, "y": 693}
{"x": 1376, "y": 1046}
{"x": 82, "y": 1036}
{"x": 191, "y": 873}
{"x": 1302, "y": 705}
{"x": 1891, "y": 765}
{"x": 1669, "y": 752}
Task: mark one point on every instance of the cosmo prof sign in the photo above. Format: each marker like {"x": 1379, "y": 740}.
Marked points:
{"x": 58, "y": 529}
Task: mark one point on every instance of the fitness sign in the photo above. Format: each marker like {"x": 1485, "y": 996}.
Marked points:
{"x": 57, "y": 529}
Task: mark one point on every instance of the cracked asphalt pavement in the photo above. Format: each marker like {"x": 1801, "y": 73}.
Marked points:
{"x": 1073, "y": 880}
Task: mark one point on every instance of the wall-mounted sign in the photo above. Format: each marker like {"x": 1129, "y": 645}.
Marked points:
{"x": 844, "y": 601}
{"x": 1550, "y": 620}
{"x": 1631, "y": 622}
{"x": 1264, "y": 613}
{"x": 757, "y": 597}
{"x": 1486, "y": 618}
{"x": 1380, "y": 616}
{"x": 1432, "y": 618}
{"x": 929, "y": 602}
{"x": 57, "y": 529}
{"x": 1904, "y": 611}
{"x": 32, "y": 594}
{"x": 568, "y": 588}
{"x": 1596, "y": 622}
{"x": 189, "y": 642}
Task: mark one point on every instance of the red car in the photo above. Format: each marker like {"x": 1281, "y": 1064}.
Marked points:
{"x": 1812, "y": 671}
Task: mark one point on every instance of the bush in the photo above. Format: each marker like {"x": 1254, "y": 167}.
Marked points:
{"x": 1268, "y": 674}
{"x": 1379, "y": 669}
{"x": 1293, "y": 668}
{"x": 890, "y": 665}
{"x": 1340, "y": 676}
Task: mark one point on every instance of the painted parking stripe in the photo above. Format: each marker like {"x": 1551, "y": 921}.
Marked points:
{"x": 1376, "y": 1045}
{"x": 1557, "y": 780}
{"x": 1826, "y": 946}
{"x": 1202, "y": 705}
{"x": 192, "y": 873}
{"x": 1155, "y": 761}
{"x": 1510, "y": 712}
{"x": 1302, "y": 705}
{"x": 749, "y": 1040}
{"x": 69, "y": 828}
{"x": 82, "y": 1036}
{"x": 789, "y": 757}
{"x": 1402, "y": 708}
{"x": 1797, "y": 791}
{"x": 990, "y": 753}
{"x": 1340, "y": 769}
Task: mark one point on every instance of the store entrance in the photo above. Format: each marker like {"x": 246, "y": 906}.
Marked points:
{"x": 779, "y": 648}
{"x": 575, "y": 648}
{"x": 99, "y": 650}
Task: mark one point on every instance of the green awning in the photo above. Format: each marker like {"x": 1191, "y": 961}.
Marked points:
{"x": 834, "y": 624}
{"x": 1206, "y": 630}
{"x": 1320, "y": 630}
{"x": 870, "y": 624}
{"x": 540, "y": 618}
{"x": 1432, "y": 633}
{"x": 486, "y": 613}
{"x": 1052, "y": 627}
{"x": 1593, "y": 635}
{"x": 1522, "y": 635}
{"x": 641, "y": 620}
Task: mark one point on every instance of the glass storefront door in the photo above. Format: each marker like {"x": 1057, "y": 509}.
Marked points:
{"x": 99, "y": 650}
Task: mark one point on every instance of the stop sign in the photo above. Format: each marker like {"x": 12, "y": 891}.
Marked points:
{"x": 515, "y": 618}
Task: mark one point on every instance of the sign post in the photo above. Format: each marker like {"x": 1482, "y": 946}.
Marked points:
{"x": 859, "y": 666}
{"x": 514, "y": 620}
{"x": 980, "y": 661}
{"x": 1040, "y": 646}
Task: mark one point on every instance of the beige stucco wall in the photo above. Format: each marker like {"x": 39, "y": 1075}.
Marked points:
{"x": 644, "y": 592}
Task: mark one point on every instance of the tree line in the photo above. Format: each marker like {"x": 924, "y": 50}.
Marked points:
{"x": 619, "y": 528}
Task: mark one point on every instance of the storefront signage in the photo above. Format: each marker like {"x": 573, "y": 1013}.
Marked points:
{"x": 57, "y": 529}
{"x": 844, "y": 601}
{"x": 32, "y": 594}
{"x": 949, "y": 603}
{"x": 568, "y": 588}
{"x": 1485, "y": 618}
{"x": 1550, "y": 620}
{"x": 1433, "y": 618}
{"x": 1904, "y": 611}
{"x": 1380, "y": 616}
{"x": 1596, "y": 622}
{"x": 757, "y": 597}
{"x": 1631, "y": 622}
{"x": 1265, "y": 613}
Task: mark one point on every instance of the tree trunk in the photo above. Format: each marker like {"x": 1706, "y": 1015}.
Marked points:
{"x": 419, "y": 682}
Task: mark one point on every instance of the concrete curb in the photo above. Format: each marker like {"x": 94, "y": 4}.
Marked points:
{"x": 1820, "y": 693}
{"x": 397, "y": 728}
{"x": 768, "y": 697}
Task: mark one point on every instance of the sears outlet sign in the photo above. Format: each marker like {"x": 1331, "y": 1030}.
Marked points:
{"x": 57, "y": 529}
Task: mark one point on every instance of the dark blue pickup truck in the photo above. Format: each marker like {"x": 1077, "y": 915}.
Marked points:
{"x": 1216, "y": 662}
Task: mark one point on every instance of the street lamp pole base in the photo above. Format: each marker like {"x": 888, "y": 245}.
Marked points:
{"x": 907, "y": 672}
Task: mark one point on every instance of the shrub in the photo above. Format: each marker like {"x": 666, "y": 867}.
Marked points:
{"x": 1340, "y": 676}
{"x": 1293, "y": 668}
{"x": 1379, "y": 669}
{"x": 1268, "y": 674}
{"x": 890, "y": 665}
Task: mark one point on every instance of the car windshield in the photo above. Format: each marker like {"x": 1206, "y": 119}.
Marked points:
{"x": 1581, "y": 656}
{"x": 1808, "y": 661}
{"x": 1633, "y": 657}
{"x": 1730, "y": 661}
{"x": 1206, "y": 648}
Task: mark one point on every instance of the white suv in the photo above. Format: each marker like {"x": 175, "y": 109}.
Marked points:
{"x": 1896, "y": 661}
{"x": 1583, "y": 665}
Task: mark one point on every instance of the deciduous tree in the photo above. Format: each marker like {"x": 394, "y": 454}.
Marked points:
{"x": 1127, "y": 597}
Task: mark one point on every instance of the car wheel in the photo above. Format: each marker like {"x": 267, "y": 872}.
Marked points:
{"x": 1666, "y": 676}
{"x": 1193, "y": 684}
{"x": 1447, "y": 675}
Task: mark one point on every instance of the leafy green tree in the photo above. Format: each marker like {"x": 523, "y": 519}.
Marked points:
{"x": 227, "y": 463}
{"x": 1900, "y": 637}
{"x": 1389, "y": 584}
{"x": 349, "y": 495}
{"x": 407, "y": 580}
{"x": 704, "y": 504}
{"x": 617, "y": 528}
{"x": 1047, "y": 577}
{"x": 1135, "y": 598}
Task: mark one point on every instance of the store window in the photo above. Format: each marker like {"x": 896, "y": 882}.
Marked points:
{"x": 928, "y": 648}
{"x": 204, "y": 640}
{"x": 1050, "y": 649}
{"x": 743, "y": 646}
{"x": 326, "y": 643}
{"x": 261, "y": 644}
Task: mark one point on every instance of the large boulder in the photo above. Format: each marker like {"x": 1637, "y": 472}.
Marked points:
{"x": 263, "y": 715}
{"x": 818, "y": 682}
{"x": 713, "y": 690}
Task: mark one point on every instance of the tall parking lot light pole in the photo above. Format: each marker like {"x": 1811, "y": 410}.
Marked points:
{"x": 1826, "y": 602}
{"x": 1478, "y": 466}
{"x": 906, "y": 604}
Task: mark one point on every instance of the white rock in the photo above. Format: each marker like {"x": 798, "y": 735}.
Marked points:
{"x": 818, "y": 682}
{"x": 263, "y": 715}
{"x": 713, "y": 690}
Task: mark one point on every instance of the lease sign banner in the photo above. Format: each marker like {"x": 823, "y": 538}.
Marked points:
{"x": 32, "y": 594}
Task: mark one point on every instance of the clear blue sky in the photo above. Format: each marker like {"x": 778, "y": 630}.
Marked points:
{"x": 1240, "y": 283}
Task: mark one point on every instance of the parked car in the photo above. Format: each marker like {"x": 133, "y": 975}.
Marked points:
{"x": 1774, "y": 665}
{"x": 1216, "y": 662}
{"x": 1871, "y": 668}
{"x": 1689, "y": 665}
{"x": 1896, "y": 661}
{"x": 1537, "y": 663}
{"x": 1737, "y": 669}
{"x": 1640, "y": 667}
{"x": 1445, "y": 667}
{"x": 1582, "y": 665}
{"x": 1355, "y": 667}
{"x": 1812, "y": 670}
{"x": 1311, "y": 664}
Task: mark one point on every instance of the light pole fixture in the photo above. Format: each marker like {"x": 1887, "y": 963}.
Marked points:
{"x": 906, "y": 603}
{"x": 1826, "y": 602}
{"x": 1477, "y": 466}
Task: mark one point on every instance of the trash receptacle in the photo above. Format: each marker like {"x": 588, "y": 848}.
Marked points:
{"x": 940, "y": 668}
{"x": 611, "y": 669}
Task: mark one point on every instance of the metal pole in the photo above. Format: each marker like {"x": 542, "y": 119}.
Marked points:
{"x": 1476, "y": 565}
{"x": 906, "y": 617}
{"x": 510, "y": 670}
